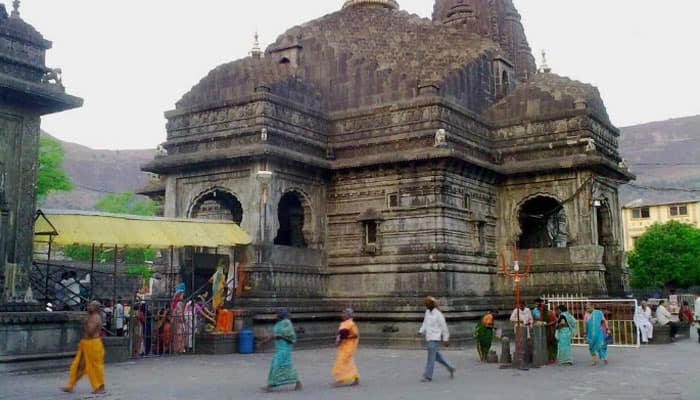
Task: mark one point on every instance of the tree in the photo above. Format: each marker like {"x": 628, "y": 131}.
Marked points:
{"x": 126, "y": 203}
{"x": 51, "y": 176}
{"x": 666, "y": 255}
{"x": 118, "y": 203}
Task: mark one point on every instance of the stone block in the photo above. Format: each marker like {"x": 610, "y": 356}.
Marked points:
{"x": 540, "y": 356}
{"x": 116, "y": 349}
{"x": 224, "y": 343}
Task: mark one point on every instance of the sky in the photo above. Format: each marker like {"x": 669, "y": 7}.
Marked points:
{"x": 131, "y": 60}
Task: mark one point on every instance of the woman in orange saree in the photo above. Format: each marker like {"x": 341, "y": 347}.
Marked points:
{"x": 344, "y": 369}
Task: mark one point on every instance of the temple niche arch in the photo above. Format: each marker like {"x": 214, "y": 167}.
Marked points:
{"x": 294, "y": 216}
{"x": 217, "y": 204}
{"x": 543, "y": 223}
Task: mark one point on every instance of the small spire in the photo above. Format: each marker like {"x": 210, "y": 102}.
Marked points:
{"x": 15, "y": 8}
{"x": 256, "y": 52}
{"x": 544, "y": 67}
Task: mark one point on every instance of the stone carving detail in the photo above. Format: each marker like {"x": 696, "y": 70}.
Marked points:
{"x": 556, "y": 228}
{"x": 53, "y": 77}
{"x": 440, "y": 138}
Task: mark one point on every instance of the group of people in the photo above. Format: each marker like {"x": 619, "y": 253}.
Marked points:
{"x": 645, "y": 318}
{"x": 560, "y": 328}
{"x": 282, "y": 370}
{"x": 69, "y": 291}
{"x": 167, "y": 329}
{"x": 436, "y": 333}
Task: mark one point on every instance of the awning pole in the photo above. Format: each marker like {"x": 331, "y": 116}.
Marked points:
{"x": 48, "y": 267}
{"x": 114, "y": 282}
{"x": 235, "y": 277}
{"x": 171, "y": 282}
{"x": 92, "y": 273}
{"x": 194, "y": 309}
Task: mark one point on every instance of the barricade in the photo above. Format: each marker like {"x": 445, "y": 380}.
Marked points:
{"x": 618, "y": 312}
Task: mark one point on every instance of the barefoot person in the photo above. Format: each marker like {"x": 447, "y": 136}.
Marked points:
{"x": 282, "y": 371}
{"x": 344, "y": 369}
{"x": 435, "y": 330}
{"x": 567, "y": 327}
{"x": 484, "y": 334}
{"x": 90, "y": 358}
{"x": 596, "y": 334}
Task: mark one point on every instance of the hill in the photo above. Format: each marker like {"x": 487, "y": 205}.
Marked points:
{"x": 96, "y": 172}
{"x": 662, "y": 154}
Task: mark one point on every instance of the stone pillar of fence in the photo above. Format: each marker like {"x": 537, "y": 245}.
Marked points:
{"x": 520, "y": 357}
{"x": 540, "y": 355}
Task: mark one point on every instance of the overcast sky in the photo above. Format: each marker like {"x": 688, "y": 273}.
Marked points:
{"x": 131, "y": 60}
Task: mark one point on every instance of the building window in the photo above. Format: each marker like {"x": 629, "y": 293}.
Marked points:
{"x": 479, "y": 237}
{"x": 467, "y": 201}
{"x": 370, "y": 233}
{"x": 640, "y": 213}
{"x": 393, "y": 200}
{"x": 678, "y": 211}
{"x": 505, "y": 82}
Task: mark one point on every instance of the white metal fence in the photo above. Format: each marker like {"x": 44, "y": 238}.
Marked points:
{"x": 618, "y": 312}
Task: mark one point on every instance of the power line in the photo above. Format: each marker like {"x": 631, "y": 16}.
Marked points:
{"x": 664, "y": 164}
{"x": 661, "y": 188}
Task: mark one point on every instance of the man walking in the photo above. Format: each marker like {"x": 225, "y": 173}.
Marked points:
{"x": 435, "y": 330}
{"x": 90, "y": 357}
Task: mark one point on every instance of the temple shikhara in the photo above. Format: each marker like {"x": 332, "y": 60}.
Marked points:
{"x": 377, "y": 157}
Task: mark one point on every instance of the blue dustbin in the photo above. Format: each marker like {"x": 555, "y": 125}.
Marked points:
{"x": 246, "y": 341}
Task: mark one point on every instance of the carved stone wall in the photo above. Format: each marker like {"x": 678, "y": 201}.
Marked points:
{"x": 593, "y": 260}
{"x": 426, "y": 238}
{"x": 19, "y": 136}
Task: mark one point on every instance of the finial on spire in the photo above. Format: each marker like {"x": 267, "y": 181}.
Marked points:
{"x": 15, "y": 8}
{"x": 391, "y": 4}
{"x": 256, "y": 52}
{"x": 544, "y": 67}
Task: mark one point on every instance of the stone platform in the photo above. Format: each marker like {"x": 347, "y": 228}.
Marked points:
{"x": 31, "y": 340}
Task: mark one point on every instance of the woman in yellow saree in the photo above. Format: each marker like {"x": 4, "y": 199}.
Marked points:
{"x": 344, "y": 369}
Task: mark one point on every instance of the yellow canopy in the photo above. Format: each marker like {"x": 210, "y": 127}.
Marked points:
{"x": 101, "y": 229}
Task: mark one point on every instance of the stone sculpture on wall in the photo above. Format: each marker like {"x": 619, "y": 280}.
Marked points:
{"x": 556, "y": 228}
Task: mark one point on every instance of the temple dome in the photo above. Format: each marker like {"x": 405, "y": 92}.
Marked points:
{"x": 360, "y": 57}
{"x": 392, "y": 4}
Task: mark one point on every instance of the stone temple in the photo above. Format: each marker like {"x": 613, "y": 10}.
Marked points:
{"x": 28, "y": 90}
{"x": 407, "y": 155}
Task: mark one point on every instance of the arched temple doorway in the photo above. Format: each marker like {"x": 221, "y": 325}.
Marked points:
{"x": 542, "y": 223}
{"x": 291, "y": 217}
{"x": 218, "y": 205}
{"x": 200, "y": 264}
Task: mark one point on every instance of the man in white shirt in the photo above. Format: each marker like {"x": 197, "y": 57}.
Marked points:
{"x": 522, "y": 316}
{"x": 645, "y": 326}
{"x": 435, "y": 330}
{"x": 666, "y": 318}
{"x": 71, "y": 292}
{"x": 119, "y": 317}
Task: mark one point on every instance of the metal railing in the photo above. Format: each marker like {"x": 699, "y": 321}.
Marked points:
{"x": 618, "y": 312}
{"x": 156, "y": 329}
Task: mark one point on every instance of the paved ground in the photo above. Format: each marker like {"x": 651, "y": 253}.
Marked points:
{"x": 670, "y": 372}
